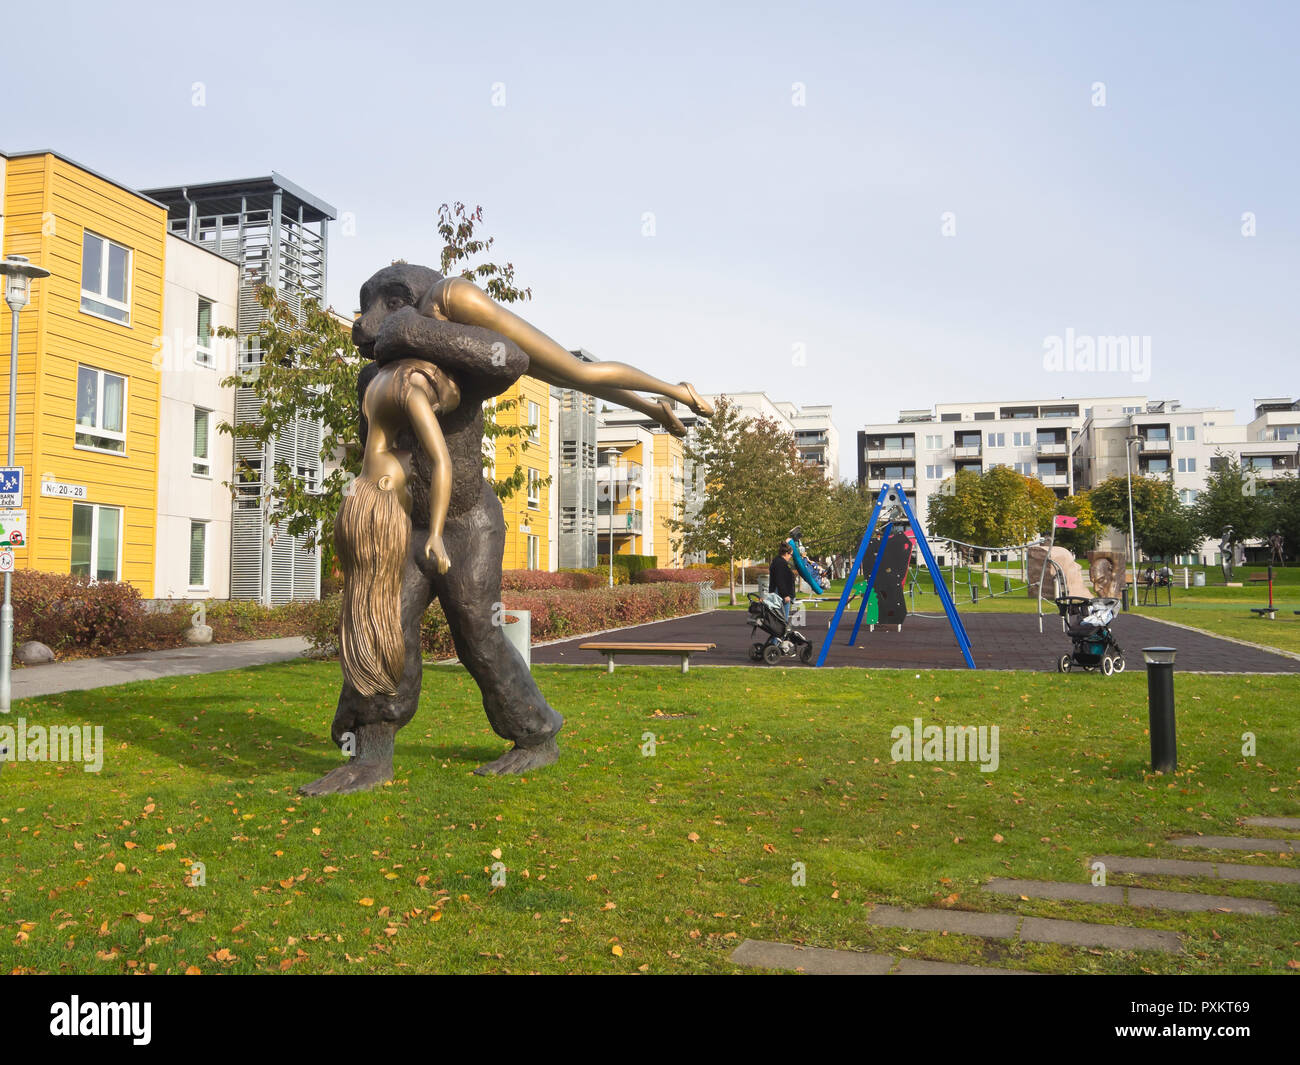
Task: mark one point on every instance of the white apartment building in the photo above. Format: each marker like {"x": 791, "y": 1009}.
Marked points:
{"x": 816, "y": 437}
{"x": 201, "y": 292}
{"x": 924, "y": 448}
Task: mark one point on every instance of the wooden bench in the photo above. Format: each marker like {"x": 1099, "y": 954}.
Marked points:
{"x": 609, "y": 650}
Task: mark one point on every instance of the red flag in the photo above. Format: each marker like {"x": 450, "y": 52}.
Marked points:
{"x": 1066, "y": 521}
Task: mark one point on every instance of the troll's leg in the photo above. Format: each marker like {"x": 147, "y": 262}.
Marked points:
{"x": 367, "y": 725}
{"x": 459, "y": 300}
{"x": 470, "y": 593}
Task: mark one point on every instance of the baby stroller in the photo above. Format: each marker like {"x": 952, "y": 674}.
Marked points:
{"x": 1087, "y": 623}
{"x": 783, "y": 640}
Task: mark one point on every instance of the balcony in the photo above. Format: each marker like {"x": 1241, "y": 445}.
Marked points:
{"x": 967, "y": 451}
{"x": 1156, "y": 447}
{"x": 1053, "y": 480}
{"x": 625, "y": 522}
{"x": 1270, "y": 473}
{"x": 882, "y": 453}
{"x": 875, "y": 484}
{"x": 1049, "y": 449}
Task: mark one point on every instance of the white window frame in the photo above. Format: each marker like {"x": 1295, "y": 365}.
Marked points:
{"x": 534, "y": 422}
{"x": 205, "y": 356}
{"x": 207, "y": 555}
{"x": 103, "y": 297}
{"x": 95, "y": 508}
{"x": 196, "y": 460}
{"x": 97, "y": 429}
{"x": 534, "y": 551}
{"x": 534, "y": 488}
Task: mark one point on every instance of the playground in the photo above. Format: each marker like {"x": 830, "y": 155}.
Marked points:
{"x": 998, "y": 641}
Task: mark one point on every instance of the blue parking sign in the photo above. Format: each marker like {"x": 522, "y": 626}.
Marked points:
{"x": 11, "y": 486}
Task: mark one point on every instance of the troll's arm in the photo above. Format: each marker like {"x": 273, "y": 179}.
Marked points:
{"x": 459, "y": 349}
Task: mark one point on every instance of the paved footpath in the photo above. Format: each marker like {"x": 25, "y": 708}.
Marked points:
{"x": 85, "y": 673}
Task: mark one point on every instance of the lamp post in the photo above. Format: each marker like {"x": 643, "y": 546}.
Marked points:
{"x": 610, "y": 457}
{"x": 19, "y": 272}
{"x": 1129, "y": 441}
{"x": 1160, "y": 707}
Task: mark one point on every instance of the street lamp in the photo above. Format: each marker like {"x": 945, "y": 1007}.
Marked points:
{"x": 18, "y": 272}
{"x": 610, "y": 457}
{"x": 1129, "y": 440}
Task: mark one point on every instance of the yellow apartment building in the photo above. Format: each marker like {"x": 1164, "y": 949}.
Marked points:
{"x": 88, "y": 383}
{"x": 528, "y": 511}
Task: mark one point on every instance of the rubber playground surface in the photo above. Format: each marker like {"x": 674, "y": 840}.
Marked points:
{"x": 998, "y": 641}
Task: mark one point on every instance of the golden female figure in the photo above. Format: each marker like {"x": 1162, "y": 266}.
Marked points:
{"x": 373, "y": 530}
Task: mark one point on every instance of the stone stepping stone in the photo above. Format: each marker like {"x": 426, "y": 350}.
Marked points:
{"x": 1275, "y": 822}
{"x": 818, "y": 961}
{"x": 1115, "y": 894}
{"x": 1266, "y": 874}
{"x": 1237, "y": 843}
{"x": 1030, "y": 930}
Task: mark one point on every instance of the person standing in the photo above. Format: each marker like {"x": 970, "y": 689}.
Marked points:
{"x": 780, "y": 578}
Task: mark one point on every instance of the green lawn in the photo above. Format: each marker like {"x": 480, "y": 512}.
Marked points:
{"x": 671, "y": 859}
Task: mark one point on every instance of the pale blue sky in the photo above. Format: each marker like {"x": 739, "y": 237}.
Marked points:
{"x": 775, "y": 225}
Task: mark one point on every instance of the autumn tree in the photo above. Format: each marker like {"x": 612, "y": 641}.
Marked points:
{"x": 1231, "y": 497}
{"x": 1152, "y": 497}
{"x": 1088, "y": 529}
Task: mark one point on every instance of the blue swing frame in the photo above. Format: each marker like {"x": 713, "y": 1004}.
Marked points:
{"x": 893, "y": 494}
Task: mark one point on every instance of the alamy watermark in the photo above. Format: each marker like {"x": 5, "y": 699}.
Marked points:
{"x": 1083, "y": 353}
{"x": 951, "y": 743}
{"x": 58, "y": 743}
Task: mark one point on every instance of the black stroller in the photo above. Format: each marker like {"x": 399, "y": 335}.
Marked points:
{"x": 783, "y": 639}
{"x": 1087, "y": 623}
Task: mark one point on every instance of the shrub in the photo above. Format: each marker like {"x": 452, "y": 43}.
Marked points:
{"x": 556, "y": 613}
{"x": 527, "y": 580}
{"x": 66, "y": 612}
{"x": 674, "y": 576}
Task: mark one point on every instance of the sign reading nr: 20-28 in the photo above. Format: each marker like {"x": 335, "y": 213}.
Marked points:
{"x": 61, "y": 490}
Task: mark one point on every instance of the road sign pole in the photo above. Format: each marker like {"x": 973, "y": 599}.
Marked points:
{"x": 7, "y": 611}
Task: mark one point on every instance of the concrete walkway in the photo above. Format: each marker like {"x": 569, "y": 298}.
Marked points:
{"x": 85, "y": 673}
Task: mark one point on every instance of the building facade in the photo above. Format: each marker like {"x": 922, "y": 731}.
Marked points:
{"x": 195, "y": 463}
{"x": 88, "y": 387}
{"x": 277, "y": 234}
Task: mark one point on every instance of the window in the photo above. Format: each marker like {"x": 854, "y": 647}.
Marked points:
{"x": 96, "y": 541}
{"x": 101, "y": 410}
{"x": 1186, "y": 465}
{"x": 1157, "y": 466}
{"x": 997, "y": 439}
{"x": 203, "y": 334}
{"x": 202, "y": 442}
{"x": 934, "y": 443}
{"x": 1048, "y": 469}
{"x": 1022, "y": 439}
{"x": 105, "y": 279}
{"x": 983, "y": 415}
{"x": 1187, "y": 496}
{"x": 534, "y": 422}
{"x": 1027, "y": 468}
{"x": 934, "y": 473}
{"x": 198, "y": 554}
{"x": 1186, "y": 432}
{"x": 534, "y": 489}
{"x": 534, "y": 551}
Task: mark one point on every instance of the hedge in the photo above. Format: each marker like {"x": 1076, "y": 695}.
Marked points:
{"x": 76, "y": 617}
{"x": 556, "y": 613}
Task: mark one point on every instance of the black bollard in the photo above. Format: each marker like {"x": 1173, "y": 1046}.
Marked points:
{"x": 1160, "y": 707}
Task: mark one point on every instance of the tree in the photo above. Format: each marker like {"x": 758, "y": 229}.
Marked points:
{"x": 1230, "y": 498}
{"x": 998, "y": 508}
{"x": 1152, "y": 496}
{"x": 309, "y": 370}
{"x": 753, "y": 488}
{"x": 1088, "y": 529}
{"x": 1172, "y": 532}
{"x": 1282, "y": 511}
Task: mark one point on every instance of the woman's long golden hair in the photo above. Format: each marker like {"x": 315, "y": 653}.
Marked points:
{"x": 371, "y": 537}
